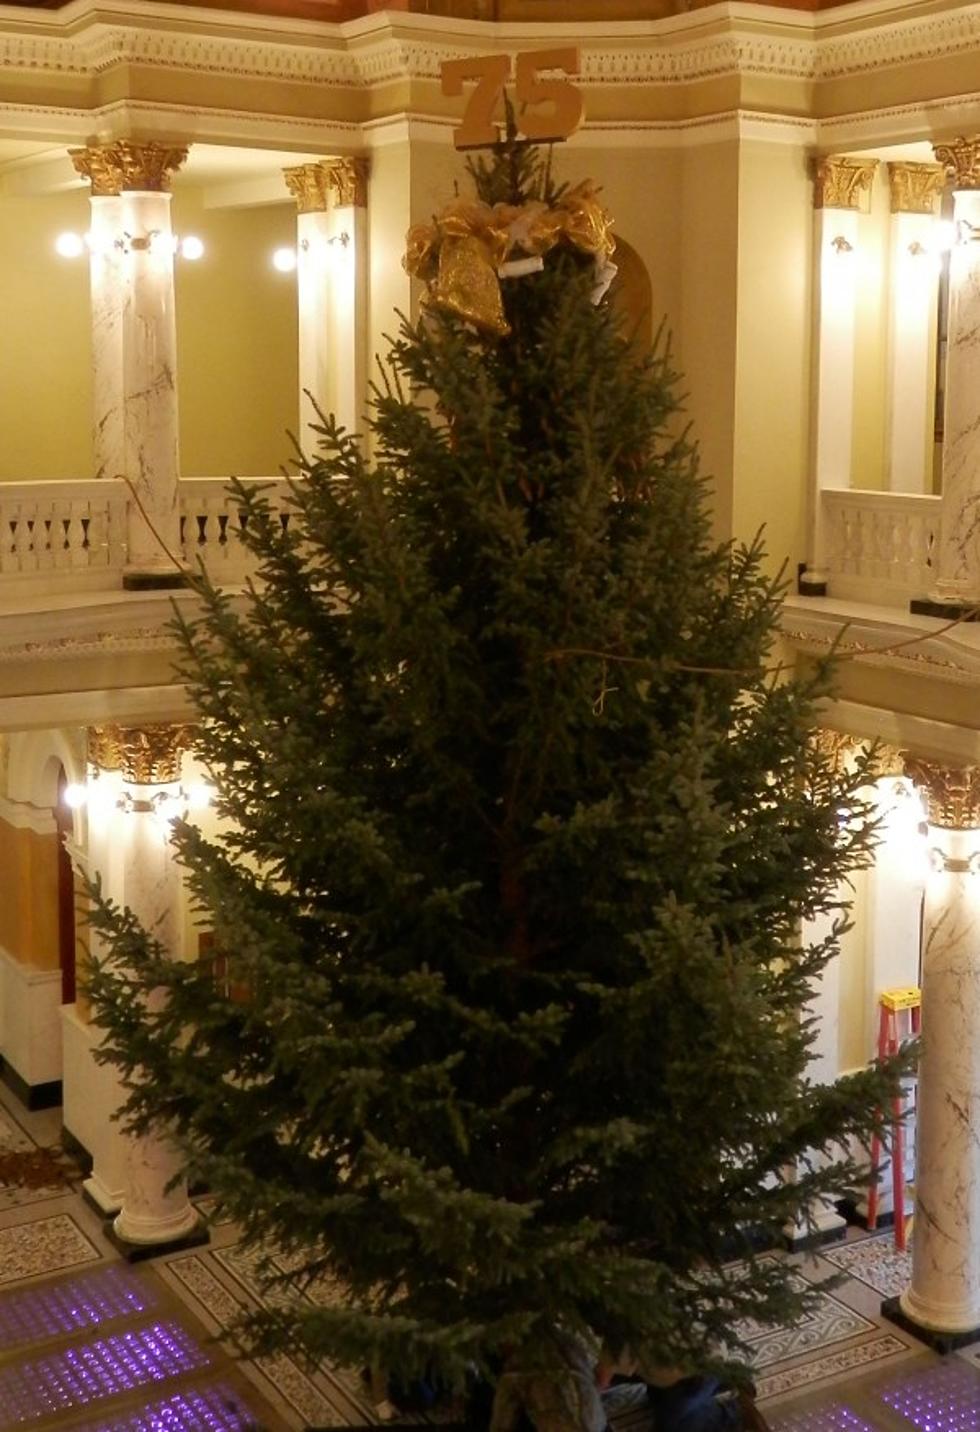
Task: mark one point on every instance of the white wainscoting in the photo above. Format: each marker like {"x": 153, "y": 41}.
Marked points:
{"x": 30, "y": 1039}
{"x": 91, "y": 1097}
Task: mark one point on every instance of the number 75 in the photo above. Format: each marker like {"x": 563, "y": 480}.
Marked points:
{"x": 491, "y": 72}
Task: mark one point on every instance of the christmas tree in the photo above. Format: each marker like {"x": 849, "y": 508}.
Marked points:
{"x": 523, "y": 833}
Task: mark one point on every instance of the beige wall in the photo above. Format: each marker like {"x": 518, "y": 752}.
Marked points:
{"x": 236, "y": 332}
{"x": 868, "y": 451}
{"x": 772, "y": 358}
{"x": 237, "y": 344}
{"x": 706, "y": 316}
{"x": 45, "y": 352}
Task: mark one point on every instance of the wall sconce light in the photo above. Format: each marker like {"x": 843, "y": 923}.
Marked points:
{"x": 71, "y": 246}
{"x": 840, "y": 245}
{"x": 285, "y": 259}
{"x": 917, "y": 250}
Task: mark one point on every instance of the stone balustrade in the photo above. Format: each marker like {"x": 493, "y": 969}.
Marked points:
{"x": 58, "y": 537}
{"x": 881, "y": 546}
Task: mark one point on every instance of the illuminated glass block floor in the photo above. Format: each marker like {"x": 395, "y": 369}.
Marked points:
{"x": 925, "y": 1394}
{"x": 104, "y": 1351}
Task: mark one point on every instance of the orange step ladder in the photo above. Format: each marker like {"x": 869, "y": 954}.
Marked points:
{"x": 891, "y": 1002}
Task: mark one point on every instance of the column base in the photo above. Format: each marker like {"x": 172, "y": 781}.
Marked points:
{"x": 826, "y": 1228}
{"x": 940, "y": 1340}
{"x": 951, "y": 610}
{"x": 153, "y": 581}
{"x": 193, "y": 1237}
{"x": 105, "y": 1201}
{"x": 810, "y": 582}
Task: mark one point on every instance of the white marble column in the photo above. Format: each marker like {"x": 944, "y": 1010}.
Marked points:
{"x": 959, "y": 545}
{"x": 106, "y": 266}
{"x": 135, "y": 348}
{"x": 840, "y": 184}
{"x": 943, "y": 1298}
{"x": 147, "y": 880}
{"x": 912, "y": 295}
{"x": 331, "y": 283}
{"x": 895, "y": 886}
{"x": 348, "y": 288}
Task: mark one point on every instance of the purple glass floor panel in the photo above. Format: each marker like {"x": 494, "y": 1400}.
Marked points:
{"x": 835, "y": 1417}
{"x": 206, "y": 1409}
{"x": 33, "y": 1314}
{"x": 945, "y": 1398}
{"x": 72, "y": 1377}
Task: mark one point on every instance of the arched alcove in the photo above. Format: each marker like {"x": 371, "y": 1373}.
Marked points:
{"x": 632, "y": 293}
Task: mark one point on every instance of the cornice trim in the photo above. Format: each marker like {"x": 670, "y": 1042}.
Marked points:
{"x": 90, "y": 37}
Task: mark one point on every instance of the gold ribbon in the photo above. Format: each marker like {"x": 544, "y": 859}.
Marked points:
{"x": 458, "y": 255}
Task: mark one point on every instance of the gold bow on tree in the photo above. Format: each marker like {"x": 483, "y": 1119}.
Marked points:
{"x": 460, "y": 254}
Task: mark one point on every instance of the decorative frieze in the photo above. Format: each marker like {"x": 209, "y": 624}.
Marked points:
{"x": 914, "y": 188}
{"x": 128, "y": 164}
{"x": 308, "y": 184}
{"x": 961, "y": 161}
{"x": 348, "y": 181}
{"x": 146, "y": 755}
{"x": 952, "y": 792}
{"x": 841, "y": 182}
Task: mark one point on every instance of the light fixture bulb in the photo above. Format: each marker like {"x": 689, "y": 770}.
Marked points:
{"x": 69, "y": 245}
{"x": 191, "y": 247}
{"x": 75, "y": 795}
{"x": 284, "y": 260}
{"x": 198, "y": 796}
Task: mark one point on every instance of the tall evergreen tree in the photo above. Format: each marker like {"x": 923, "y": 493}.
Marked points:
{"x": 523, "y": 833}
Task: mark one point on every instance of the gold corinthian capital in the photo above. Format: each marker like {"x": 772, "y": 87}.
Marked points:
{"x": 146, "y": 755}
{"x": 308, "y": 185}
{"x": 961, "y": 161}
{"x": 128, "y": 164}
{"x": 952, "y": 792}
{"x": 914, "y": 188}
{"x": 841, "y": 182}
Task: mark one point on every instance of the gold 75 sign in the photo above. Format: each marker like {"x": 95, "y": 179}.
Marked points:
{"x": 547, "y": 109}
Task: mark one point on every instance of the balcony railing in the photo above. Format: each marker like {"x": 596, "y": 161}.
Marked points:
{"x": 71, "y": 536}
{"x": 880, "y": 546}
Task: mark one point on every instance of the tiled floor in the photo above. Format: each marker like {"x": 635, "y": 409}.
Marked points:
{"x": 89, "y": 1344}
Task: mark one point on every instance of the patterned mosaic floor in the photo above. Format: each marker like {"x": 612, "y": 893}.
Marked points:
{"x": 151, "y": 1366}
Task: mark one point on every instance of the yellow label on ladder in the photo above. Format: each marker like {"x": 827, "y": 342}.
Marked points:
{"x": 903, "y": 998}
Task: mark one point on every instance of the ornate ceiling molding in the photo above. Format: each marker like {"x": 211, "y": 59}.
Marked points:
{"x": 678, "y": 50}
{"x": 67, "y": 648}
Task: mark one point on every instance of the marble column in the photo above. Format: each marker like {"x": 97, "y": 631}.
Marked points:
{"x": 331, "y": 280}
{"x": 914, "y": 191}
{"x": 146, "y": 766}
{"x": 942, "y": 1302}
{"x": 348, "y": 287}
{"x": 840, "y": 186}
{"x": 959, "y": 543}
{"x": 135, "y": 348}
